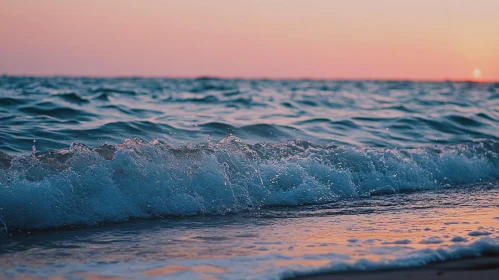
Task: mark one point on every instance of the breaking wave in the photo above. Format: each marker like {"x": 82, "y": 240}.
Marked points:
{"x": 137, "y": 179}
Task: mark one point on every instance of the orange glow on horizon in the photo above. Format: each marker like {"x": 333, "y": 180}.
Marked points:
{"x": 359, "y": 39}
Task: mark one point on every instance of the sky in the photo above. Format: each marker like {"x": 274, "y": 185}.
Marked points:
{"x": 355, "y": 39}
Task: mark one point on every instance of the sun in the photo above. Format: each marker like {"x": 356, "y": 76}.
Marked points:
{"x": 477, "y": 73}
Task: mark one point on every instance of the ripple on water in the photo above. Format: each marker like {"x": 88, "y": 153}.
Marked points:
{"x": 360, "y": 113}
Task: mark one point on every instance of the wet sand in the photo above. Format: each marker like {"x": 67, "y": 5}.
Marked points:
{"x": 478, "y": 268}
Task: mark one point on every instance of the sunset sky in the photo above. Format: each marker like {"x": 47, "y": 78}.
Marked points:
{"x": 386, "y": 39}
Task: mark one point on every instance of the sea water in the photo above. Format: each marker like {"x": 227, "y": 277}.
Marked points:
{"x": 243, "y": 179}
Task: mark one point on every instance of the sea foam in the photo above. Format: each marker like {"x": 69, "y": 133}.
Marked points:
{"x": 137, "y": 179}
{"x": 269, "y": 266}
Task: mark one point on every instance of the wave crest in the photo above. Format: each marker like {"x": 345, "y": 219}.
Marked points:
{"x": 136, "y": 179}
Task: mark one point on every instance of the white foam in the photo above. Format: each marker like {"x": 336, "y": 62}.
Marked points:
{"x": 150, "y": 179}
{"x": 271, "y": 266}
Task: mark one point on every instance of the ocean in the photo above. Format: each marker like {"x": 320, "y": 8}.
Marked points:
{"x": 155, "y": 178}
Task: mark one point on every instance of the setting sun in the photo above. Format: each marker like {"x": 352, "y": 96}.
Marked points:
{"x": 477, "y": 73}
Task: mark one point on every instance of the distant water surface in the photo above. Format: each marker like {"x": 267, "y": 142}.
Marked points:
{"x": 58, "y": 111}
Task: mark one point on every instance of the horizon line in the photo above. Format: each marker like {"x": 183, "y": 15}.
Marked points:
{"x": 198, "y": 77}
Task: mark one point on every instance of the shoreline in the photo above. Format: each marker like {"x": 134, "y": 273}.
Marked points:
{"x": 473, "y": 268}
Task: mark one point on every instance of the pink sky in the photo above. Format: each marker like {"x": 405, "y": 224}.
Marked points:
{"x": 251, "y": 38}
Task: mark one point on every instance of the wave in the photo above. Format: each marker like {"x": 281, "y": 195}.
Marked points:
{"x": 58, "y": 110}
{"x": 271, "y": 265}
{"x": 105, "y": 90}
{"x": 73, "y": 98}
{"x": 52, "y": 110}
{"x": 418, "y": 258}
{"x": 136, "y": 179}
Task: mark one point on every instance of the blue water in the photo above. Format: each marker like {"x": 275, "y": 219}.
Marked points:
{"x": 79, "y": 152}
{"x": 58, "y": 111}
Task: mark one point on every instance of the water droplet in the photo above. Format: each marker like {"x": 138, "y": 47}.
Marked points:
{"x": 33, "y": 149}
